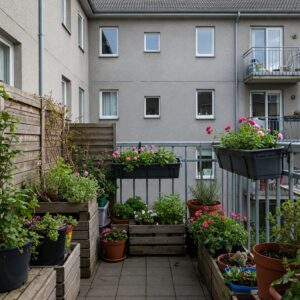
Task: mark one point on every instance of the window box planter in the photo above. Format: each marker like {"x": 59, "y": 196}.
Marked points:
{"x": 157, "y": 239}
{"x": 254, "y": 164}
{"x": 86, "y": 233}
{"x": 152, "y": 171}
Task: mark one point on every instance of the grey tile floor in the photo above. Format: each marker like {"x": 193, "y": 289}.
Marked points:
{"x": 145, "y": 278}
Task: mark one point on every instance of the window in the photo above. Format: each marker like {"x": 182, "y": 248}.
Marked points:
{"x": 65, "y": 91}
{"x": 80, "y": 31}
{"x": 108, "y": 104}
{"x": 205, "y": 164}
{"x": 205, "y": 104}
{"x": 6, "y": 62}
{"x": 205, "y": 41}
{"x": 81, "y": 105}
{"x": 66, "y": 14}
{"x": 152, "y": 107}
{"x": 109, "y": 41}
{"x": 152, "y": 42}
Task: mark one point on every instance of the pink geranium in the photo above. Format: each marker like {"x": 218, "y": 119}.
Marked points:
{"x": 280, "y": 136}
{"x": 228, "y": 128}
{"x": 242, "y": 120}
{"x": 128, "y": 158}
{"x": 257, "y": 126}
{"x": 251, "y": 122}
{"x": 205, "y": 224}
{"x": 209, "y": 129}
{"x": 198, "y": 213}
{"x": 260, "y": 133}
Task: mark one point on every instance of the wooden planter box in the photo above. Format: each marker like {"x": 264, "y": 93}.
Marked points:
{"x": 157, "y": 239}
{"x": 152, "y": 171}
{"x": 254, "y": 164}
{"x": 214, "y": 280}
{"x": 68, "y": 275}
{"x": 86, "y": 232}
{"x": 41, "y": 285}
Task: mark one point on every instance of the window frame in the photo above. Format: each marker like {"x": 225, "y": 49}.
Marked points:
{"x": 81, "y": 110}
{"x": 206, "y": 117}
{"x": 145, "y": 42}
{"x": 11, "y": 60}
{"x": 213, "y": 166}
{"x": 213, "y": 42}
{"x": 100, "y": 33}
{"x": 100, "y": 106}
{"x": 64, "y": 12}
{"x": 145, "y": 104}
{"x": 64, "y": 99}
{"x": 81, "y": 26}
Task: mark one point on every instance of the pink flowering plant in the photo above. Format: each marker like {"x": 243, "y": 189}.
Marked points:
{"x": 249, "y": 136}
{"x": 216, "y": 232}
{"x": 113, "y": 235}
{"x": 144, "y": 156}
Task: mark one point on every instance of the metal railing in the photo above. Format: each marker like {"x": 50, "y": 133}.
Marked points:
{"x": 272, "y": 61}
{"x": 253, "y": 199}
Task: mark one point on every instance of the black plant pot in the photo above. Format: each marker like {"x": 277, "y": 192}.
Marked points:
{"x": 14, "y": 266}
{"x": 152, "y": 171}
{"x": 254, "y": 164}
{"x": 50, "y": 252}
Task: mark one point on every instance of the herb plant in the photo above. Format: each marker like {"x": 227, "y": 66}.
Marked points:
{"x": 205, "y": 193}
{"x": 122, "y": 211}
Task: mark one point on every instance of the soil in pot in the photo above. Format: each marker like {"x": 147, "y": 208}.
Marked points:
{"x": 114, "y": 251}
{"x": 193, "y": 207}
{"x": 224, "y": 262}
{"x": 268, "y": 259}
{"x": 120, "y": 221}
{"x": 14, "y": 266}
{"x": 50, "y": 252}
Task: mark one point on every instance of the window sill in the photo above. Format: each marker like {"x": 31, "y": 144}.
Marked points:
{"x": 153, "y": 51}
{"x": 205, "y": 118}
{"x": 205, "y": 177}
{"x": 108, "y": 56}
{"x": 66, "y": 28}
{"x": 108, "y": 118}
{"x": 205, "y": 56}
{"x": 151, "y": 117}
{"x": 82, "y": 50}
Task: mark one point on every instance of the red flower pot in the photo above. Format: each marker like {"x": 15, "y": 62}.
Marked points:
{"x": 114, "y": 251}
{"x": 210, "y": 208}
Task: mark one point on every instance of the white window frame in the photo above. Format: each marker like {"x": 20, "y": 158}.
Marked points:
{"x": 81, "y": 26}
{"x": 213, "y": 42}
{"x": 206, "y": 117}
{"x": 100, "y": 32}
{"x": 151, "y": 116}
{"x": 100, "y": 108}
{"x": 145, "y": 42}
{"x": 205, "y": 177}
{"x": 64, "y": 12}
{"x": 64, "y": 95}
{"x": 81, "y": 103}
{"x": 11, "y": 60}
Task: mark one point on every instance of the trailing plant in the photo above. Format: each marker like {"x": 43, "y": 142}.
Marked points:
{"x": 240, "y": 276}
{"x": 170, "y": 209}
{"x": 145, "y": 217}
{"x": 113, "y": 235}
{"x": 205, "y": 193}
{"x": 136, "y": 204}
{"x": 144, "y": 156}
{"x": 122, "y": 211}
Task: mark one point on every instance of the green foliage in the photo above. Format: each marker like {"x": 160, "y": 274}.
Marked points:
{"x": 136, "y": 204}
{"x": 217, "y": 232}
{"x": 205, "y": 193}
{"x": 240, "y": 276}
{"x": 288, "y": 231}
{"x": 122, "y": 211}
{"x": 170, "y": 209}
{"x": 145, "y": 217}
{"x": 113, "y": 235}
{"x": 133, "y": 157}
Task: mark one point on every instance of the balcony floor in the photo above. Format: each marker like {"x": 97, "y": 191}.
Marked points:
{"x": 272, "y": 78}
{"x": 145, "y": 278}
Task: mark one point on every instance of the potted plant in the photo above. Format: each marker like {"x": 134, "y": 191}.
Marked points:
{"x": 241, "y": 280}
{"x": 121, "y": 213}
{"x": 52, "y": 230}
{"x": 269, "y": 256}
{"x": 145, "y": 162}
{"x": 238, "y": 259}
{"x": 204, "y": 194}
{"x": 144, "y": 217}
{"x": 250, "y": 151}
{"x": 136, "y": 204}
{"x": 113, "y": 241}
{"x": 15, "y": 206}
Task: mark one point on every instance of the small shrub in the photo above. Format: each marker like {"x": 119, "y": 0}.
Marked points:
{"x": 145, "y": 217}
{"x": 122, "y": 211}
{"x": 136, "y": 204}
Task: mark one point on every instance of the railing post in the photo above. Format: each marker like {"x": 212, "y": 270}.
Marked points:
{"x": 248, "y": 212}
{"x": 257, "y": 211}
{"x": 267, "y": 211}
{"x": 291, "y": 162}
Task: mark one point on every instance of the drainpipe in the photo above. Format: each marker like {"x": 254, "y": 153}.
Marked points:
{"x": 41, "y": 47}
{"x": 236, "y": 114}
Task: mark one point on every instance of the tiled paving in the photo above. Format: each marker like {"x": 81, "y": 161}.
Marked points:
{"x": 145, "y": 278}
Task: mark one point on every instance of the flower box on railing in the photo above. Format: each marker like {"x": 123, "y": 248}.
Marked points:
{"x": 153, "y": 171}
{"x": 254, "y": 164}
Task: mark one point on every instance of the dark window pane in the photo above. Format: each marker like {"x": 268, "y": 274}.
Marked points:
{"x": 152, "y": 106}
{"x": 258, "y": 105}
{"x": 4, "y": 63}
{"x": 205, "y": 105}
{"x": 109, "y": 41}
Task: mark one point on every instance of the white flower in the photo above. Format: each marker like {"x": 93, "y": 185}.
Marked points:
{"x": 143, "y": 212}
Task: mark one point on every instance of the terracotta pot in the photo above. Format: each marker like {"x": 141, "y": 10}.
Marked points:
{"x": 267, "y": 269}
{"x": 120, "y": 221}
{"x": 275, "y": 295}
{"x": 223, "y": 266}
{"x": 114, "y": 251}
{"x": 212, "y": 208}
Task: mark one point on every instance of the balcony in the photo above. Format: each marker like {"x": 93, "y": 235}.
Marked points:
{"x": 272, "y": 65}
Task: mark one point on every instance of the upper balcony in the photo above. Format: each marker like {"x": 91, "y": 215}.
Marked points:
{"x": 272, "y": 65}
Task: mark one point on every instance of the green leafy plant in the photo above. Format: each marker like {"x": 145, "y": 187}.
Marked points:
{"x": 205, "y": 193}
{"x": 144, "y": 156}
{"x": 144, "y": 217}
{"x": 113, "y": 234}
{"x": 136, "y": 204}
{"x": 170, "y": 209}
{"x": 217, "y": 232}
{"x": 122, "y": 211}
{"x": 240, "y": 276}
